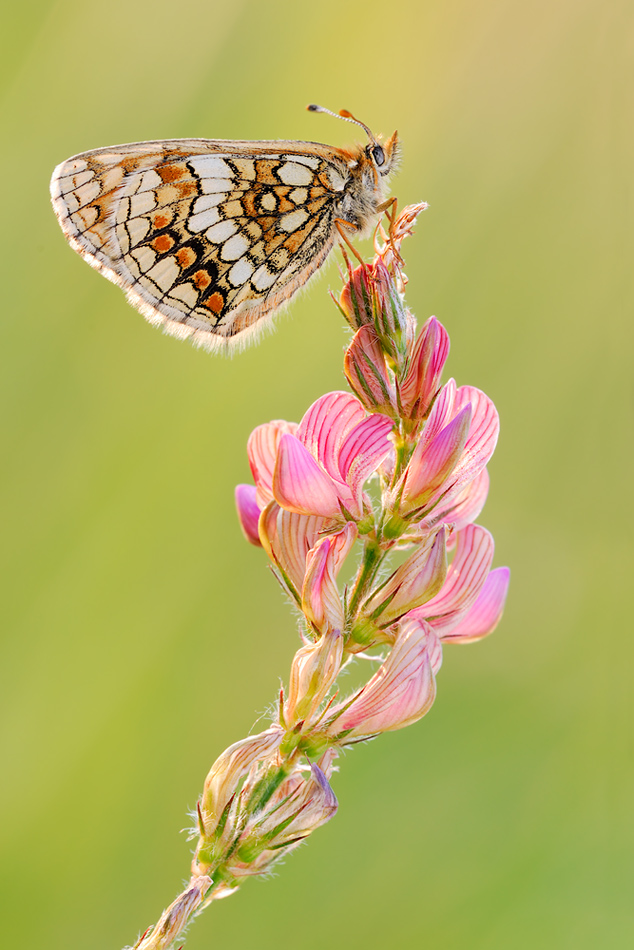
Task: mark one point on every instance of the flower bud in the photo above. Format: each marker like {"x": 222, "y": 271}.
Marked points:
{"x": 424, "y": 370}
{"x": 367, "y": 373}
{"x": 227, "y": 771}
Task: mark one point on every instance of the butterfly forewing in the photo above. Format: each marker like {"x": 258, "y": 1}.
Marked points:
{"x": 209, "y": 238}
{"x": 202, "y": 236}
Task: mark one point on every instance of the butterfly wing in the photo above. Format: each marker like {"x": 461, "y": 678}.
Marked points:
{"x": 207, "y": 238}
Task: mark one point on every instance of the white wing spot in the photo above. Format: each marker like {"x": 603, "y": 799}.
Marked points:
{"x": 269, "y": 201}
{"x": 221, "y": 232}
{"x": 234, "y": 248}
{"x": 141, "y": 204}
{"x": 263, "y": 278}
{"x": 309, "y": 160}
{"x": 293, "y": 174}
{"x": 137, "y": 229}
{"x": 149, "y": 181}
{"x": 293, "y": 220}
{"x": 145, "y": 257}
{"x": 206, "y": 202}
{"x": 199, "y": 222}
{"x": 240, "y": 272}
{"x": 212, "y": 185}
{"x": 209, "y": 166}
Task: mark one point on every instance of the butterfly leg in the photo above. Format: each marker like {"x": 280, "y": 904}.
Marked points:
{"x": 341, "y": 226}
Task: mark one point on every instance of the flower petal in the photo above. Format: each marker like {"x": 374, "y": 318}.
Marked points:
{"x": 465, "y": 578}
{"x": 482, "y": 438}
{"x": 462, "y": 508}
{"x": 425, "y": 368}
{"x": 485, "y": 614}
{"x": 365, "y": 369}
{"x": 287, "y": 538}
{"x": 326, "y": 425}
{"x": 433, "y": 463}
{"x": 299, "y": 484}
{"x": 364, "y": 449}
{"x": 400, "y": 692}
{"x": 321, "y": 600}
{"x": 248, "y": 513}
{"x": 413, "y": 583}
{"x": 262, "y": 452}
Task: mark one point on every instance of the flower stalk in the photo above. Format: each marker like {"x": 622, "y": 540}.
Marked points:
{"x": 424, "y": 574}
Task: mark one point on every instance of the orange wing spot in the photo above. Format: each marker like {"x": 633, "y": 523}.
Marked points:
{"x": 161, "y": 220}
{"x": 317, "y": 192}
{"x": 163, "y": 243}
{"x": 285, "y": 205}
{"x": 297, "y": 238}
{"x": 171, "y": 172}
{"x": 248, "y": 202}
{"x": 215, "y": 303}
{"x": 264, "y": 173}
{"x": 187, "y": 189}
{"x": 186, "y": 256}
{"x": 202, "y": 280}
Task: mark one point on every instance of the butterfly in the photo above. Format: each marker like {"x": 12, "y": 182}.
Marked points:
{"x": 209, "y": 238}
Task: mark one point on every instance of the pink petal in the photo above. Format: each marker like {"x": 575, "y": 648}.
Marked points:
{"x": 426, "y": 364}
{"x": 287, "y": 538}
{"x": 463, "y": 508}
{"x": 364, "y": 449}
{"x": 300, "y": 485}
{"x": 321, "y": 600}
{"x": 465, "y": 578}
{"x": 262, "y": 451}
{"x": 441, "y": 414}
{"x": 248, "y": 513}
{"x": 326, "y": 425}
{"x": 400, "y": 692}
{"x": 486, "y": 612}
{"x": 482, "y": 438}
{"x": 432, "y": 463}
{"x": 413, "y": 583}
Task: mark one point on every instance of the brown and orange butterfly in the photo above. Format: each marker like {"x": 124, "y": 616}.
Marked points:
{"x": 209, "y": 238}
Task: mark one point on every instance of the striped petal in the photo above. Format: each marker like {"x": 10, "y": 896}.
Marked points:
{"x": 300, "y": 484}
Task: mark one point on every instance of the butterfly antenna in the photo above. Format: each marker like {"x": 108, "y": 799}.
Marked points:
{"x": 344, "y": 114}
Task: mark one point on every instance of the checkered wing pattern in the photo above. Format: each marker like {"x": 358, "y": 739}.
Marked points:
{"x": 207, "y": 238}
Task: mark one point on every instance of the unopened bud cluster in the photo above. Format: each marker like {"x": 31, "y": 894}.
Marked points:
{"x": 398, "y": 465}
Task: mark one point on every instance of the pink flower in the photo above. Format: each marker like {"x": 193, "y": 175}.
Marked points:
{"x": 319, "y": 467}
{"x": 321, "y": 601}
{"x": 456, "y": 444}
{"x": 471, "y": 601}
{"x": 401, "y": 691}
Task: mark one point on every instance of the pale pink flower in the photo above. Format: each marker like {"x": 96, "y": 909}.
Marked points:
{"x": 400, "y": 692}
{"x": 225, "y": 775}
{"x": 470, "y": 602}
{"x": 314, "y": 669}
{"x": 321, "y": 600}
{"x": 413, "y": 583}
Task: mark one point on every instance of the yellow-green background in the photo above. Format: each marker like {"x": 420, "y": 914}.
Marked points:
{"x": 141, "y": 635}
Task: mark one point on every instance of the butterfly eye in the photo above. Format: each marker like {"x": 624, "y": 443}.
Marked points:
{"x": 378, "y": 155}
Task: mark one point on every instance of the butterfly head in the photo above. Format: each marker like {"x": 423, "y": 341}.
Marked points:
{"x": 382, "y": 155}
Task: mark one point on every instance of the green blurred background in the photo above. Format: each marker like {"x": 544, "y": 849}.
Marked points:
{"x": 141, "y": 634}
